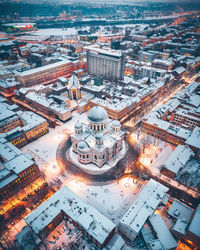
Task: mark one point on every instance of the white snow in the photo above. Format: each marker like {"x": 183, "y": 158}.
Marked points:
{"x": 112, "y": 199}
{"x": 92, "y": 168}
{"x": 162, "y": 232}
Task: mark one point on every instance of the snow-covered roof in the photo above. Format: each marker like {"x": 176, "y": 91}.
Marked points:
{"x": 116, "y": 104}
{"x": 8, "y": 151}
{"x": 171, "y": 105}
{"x": 179, "y": 70}
{"x": 179, "y": 210}
{"x": 94, "y": 223}
{"x": 194, "y": 138}
{"x": 181, "y": 226}
{"x": 194, "y": 225}
{"x": 194, "y": 100}
{"x": 162, "y": 232}
{"x": 145, "y": 205}
{"x": 115, "y": 243}
{"x": 104, "y": 51}
{"x": 42, "y": 68}
{"x": 179, "y": 157}
{"x": 27, "y": 239}
{"x": 5, "y": 113}
{"x": 19, "y": 163}
{"x": 31, "y": 120}
{"x": 155, "y": 245}
{"x": 154, "y": 119}
{"x": 74, "y": 82}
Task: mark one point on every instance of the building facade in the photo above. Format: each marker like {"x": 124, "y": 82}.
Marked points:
{"x": 74, "y": 88}
{"x": 109, "y": 64}
{"x": 101, "y": 140}
{"x": 45, "y": 74}
{"x": 17, "y": 169}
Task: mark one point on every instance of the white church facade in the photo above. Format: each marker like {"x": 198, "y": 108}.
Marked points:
{"x": 100, "y": 140}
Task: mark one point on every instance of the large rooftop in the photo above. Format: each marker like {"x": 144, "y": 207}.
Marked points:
{"x": 95, "y": 223}
{"x": 145, "y": 205}
{"x": 43, "y": 68}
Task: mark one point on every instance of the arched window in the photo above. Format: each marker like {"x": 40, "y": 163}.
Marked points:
{"x": 95, "y": 157}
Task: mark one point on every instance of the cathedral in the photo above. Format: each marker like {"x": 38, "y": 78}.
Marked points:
{"x": 100, "y": 140}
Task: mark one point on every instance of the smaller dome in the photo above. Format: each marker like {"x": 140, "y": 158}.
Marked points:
{"x": 99, "y": 136}
{"x": 83, "y": 146}
{"x": 78, "y": 125}
{"x": 116, "y": 123}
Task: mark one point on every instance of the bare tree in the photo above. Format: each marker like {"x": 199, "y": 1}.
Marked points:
{"x": 144, "y": 142}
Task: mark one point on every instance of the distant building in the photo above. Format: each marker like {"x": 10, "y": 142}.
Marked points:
{"x": 8, "y": 86}
{"x": 146, "y": 56}
{"x": 45, "y": 74}
{"x": 107, "y": 63}
{"x": 19, "y": 27}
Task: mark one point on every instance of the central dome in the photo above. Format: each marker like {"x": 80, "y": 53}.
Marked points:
{"x": 97, "y": 114}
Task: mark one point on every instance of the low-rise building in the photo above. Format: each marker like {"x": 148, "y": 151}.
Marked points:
{"x": 193, "y": 232}
{"x": 17, "y": 169}
{"x": 66, "y": 204}
{"x": 177, "y": 160}
{"x": 8, "y": 119}
{"x": 141, "y": 209}
{"x": 45, "y": 74}
{"x": 162, "y": 232}
{"x": 177, "y": 121}
{"x": 20, "y": 127}
{"x": 8, "y": 86}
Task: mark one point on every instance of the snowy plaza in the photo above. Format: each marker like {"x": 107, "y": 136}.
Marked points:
{"x": 111, "y": 199}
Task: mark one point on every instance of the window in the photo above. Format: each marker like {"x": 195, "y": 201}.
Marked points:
{"x": 95, "y": 157}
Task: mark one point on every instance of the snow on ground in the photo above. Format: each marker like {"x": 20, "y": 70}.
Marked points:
{"x": 44, "y": 148}
{"x": 159, "y": 159}
{"x": 112, "y": 200}
{"x": 156, "y": 151}
{"x": 91, "y": 168}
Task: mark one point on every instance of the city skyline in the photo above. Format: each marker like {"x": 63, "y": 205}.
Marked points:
{"x": 99, "y": 125}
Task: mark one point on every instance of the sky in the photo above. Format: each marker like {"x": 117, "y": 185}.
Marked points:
{"x": 104, "y": 1}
